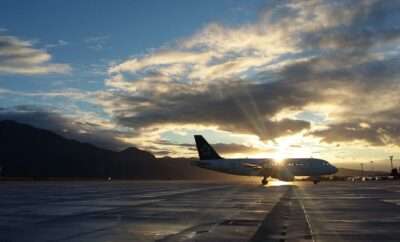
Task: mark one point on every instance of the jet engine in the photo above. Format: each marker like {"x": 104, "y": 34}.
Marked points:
{"x": 285, "y": 176}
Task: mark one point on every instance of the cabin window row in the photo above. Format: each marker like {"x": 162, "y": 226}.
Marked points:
{"x": 295, "y": 164}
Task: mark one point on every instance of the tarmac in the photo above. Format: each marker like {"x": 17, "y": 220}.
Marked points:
{"x": 199, "y": 211}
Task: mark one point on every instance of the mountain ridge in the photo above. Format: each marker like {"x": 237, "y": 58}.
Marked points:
{"x": 27, "y": 151}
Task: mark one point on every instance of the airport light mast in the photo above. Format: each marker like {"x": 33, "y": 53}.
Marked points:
{"x": 362, "y": 170}
{"x": 391, "y": 162}
{"x": 394, "y": 172}
{"x": 372, "y": 166}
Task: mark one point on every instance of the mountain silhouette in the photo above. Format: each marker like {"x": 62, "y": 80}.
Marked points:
{"x": 26, "y": 151}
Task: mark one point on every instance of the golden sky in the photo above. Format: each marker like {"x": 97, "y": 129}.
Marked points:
{"x": 289, "y": 79}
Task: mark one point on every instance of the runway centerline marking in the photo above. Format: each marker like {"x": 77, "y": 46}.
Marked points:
{"x": 286, "y": 221}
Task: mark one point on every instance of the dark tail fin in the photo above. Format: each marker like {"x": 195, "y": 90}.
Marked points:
{"x": 206, "y": 152}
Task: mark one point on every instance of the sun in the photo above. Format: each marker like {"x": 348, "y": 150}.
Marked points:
{"x": 279, "y": 157}
{"x": 290, "y": 147}
{"x": 281, "y": 153}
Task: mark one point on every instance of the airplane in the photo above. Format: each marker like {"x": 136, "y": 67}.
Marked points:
{"x": 285, "y": 170}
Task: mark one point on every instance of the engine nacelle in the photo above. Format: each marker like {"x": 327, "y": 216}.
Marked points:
{"x": 284, "y": 176}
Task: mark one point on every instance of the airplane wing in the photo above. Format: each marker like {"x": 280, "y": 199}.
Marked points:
{"x": 258, "y": 165}
{"x": 252, "y": 165}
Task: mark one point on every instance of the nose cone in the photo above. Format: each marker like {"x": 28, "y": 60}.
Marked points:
{"x": 334, "y": 169}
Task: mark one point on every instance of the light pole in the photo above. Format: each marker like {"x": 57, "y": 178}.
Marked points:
{"x": 362, "y": 170}
{"x": 391, "y": 162}
{"x": 372, "y": 166}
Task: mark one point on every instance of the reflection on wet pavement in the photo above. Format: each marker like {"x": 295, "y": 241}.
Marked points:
{"x": 198, "y": 211}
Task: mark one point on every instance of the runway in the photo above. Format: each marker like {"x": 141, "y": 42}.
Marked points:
{"x": 198, "y": 211}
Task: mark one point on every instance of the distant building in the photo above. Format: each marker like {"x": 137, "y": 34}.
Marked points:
{"x": 395, "y": 173}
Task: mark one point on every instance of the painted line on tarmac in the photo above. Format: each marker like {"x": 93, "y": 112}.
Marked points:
{"x": 286, "y": 221}
{"x": 307, "y": 217}
{"x": 176, "y": 192}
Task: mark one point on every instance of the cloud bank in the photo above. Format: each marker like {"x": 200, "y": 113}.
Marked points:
{"x": 340, "y": 56}
{"x": 335, "y": 60}
{"x": 86, "y": 128}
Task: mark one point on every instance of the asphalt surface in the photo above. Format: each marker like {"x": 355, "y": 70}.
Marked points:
{"x": 198, "y": 211}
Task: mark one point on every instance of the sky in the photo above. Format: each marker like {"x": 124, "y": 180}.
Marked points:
{"x": 257, "y": 78}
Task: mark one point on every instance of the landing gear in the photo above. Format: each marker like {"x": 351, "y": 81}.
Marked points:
{"x": 264, "y": 181}
{"x": 316, "y": 180}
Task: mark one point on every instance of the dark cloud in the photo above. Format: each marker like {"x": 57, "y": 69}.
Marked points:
{"x": 371, "y": 24}
{"x": 347, "y": 132}
{"x": 236, "y": 107}
{"x": 377, "y": 134}
{"x": 345, "y": 58}
{"x": 222, "y": 148}
{"x": 377, "y": 128}
{"x": 84, "y": 131}
{"x": 237, "y": 148}
{"x": 248, "y": 108}
{"x": 357, "y": 69}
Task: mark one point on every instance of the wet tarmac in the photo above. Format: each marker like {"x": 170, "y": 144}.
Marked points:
{"x": 198, "y": 211}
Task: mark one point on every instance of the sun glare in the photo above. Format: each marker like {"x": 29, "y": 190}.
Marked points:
{"x": 277, "y": 183}
{"x": 289, "y": 147}
{"x": 279, "y": 157}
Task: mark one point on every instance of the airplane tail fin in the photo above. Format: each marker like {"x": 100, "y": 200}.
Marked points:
{"x": 206, "y": 151}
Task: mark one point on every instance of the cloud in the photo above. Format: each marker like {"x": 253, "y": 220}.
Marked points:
{"x": 96, "y": 43}
{"x": 378, "y": 128}
{"x": 69, "y": 93}
{"x": 371, "y": 24}
{"x": 59, "y": 43}
{"x": 376, "y": 134}
{"x": 162, "y": 57}
{"x": 20, "y": 57}
{"x": 237, "y": 149}
{"x": 222, "y": 148}
{"x": 87, "y": 128}
{"x": 233, "y": 107}
{"x": 298, "y": 56}
{"x": 339, "y": 59}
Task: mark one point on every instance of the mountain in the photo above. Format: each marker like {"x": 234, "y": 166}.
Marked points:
{"x": 26, "y": 151}
{"x": 354, "y": 172}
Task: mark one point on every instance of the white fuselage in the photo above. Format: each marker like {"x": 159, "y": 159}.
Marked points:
{"x": 284, "y": 170}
